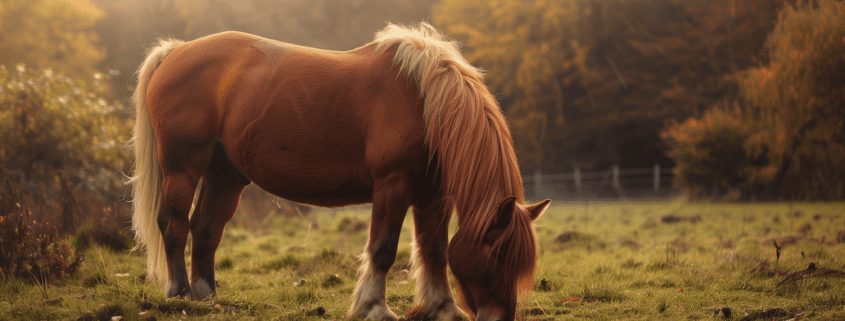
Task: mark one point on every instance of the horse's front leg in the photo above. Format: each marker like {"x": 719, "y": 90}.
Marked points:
{"x": 433, "y": 296}
{"x": 391, "y": 199}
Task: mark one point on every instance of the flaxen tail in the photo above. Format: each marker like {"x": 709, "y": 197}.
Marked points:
{"x": 146, "y": 177}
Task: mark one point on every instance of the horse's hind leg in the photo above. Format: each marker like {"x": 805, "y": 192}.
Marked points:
{"x": 432, "y": 296}
{"x": 220, "y": 193}
{"x": 179, "y": 183}
{"x": 391, "y": 199}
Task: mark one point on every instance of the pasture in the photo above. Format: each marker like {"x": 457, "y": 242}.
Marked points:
{"x": 611, "y": 260}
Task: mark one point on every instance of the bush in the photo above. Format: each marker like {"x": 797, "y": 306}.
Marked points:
{"x": 30, "y": 254}
{"x": 112, "y": 238}
{"x": 50, "y": 123}
{"x": 62, "y": 149}
{"x": 717, "y": 155}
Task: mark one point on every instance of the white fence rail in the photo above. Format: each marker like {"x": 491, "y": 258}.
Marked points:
{"x": 612, "y": 183}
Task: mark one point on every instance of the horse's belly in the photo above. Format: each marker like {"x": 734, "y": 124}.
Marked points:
{"x": 312, "y": 180}
{"x": 349, "y": 193}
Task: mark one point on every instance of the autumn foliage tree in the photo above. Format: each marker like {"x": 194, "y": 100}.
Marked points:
{"x": 49, "y": 34}
{"x": 799, "y": 96}
{"x": 785, "y": 139}
{"x": 590, "y": 83}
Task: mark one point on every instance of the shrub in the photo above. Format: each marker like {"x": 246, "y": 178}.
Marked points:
{"x": 717, "y": 155}
{"x": 50, "y": 122}
{"x": 112, "y": 238}
{"x": 61, "y": 149}
{"x": 30, "y": 254}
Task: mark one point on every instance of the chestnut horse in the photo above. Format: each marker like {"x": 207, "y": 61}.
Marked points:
{"x": 404, "y": 121}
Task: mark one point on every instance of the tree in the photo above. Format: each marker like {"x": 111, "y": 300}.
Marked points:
{"x": 799, "y": 96}
{"x": 590, "y": 83}
{"x": 49, "y": 34}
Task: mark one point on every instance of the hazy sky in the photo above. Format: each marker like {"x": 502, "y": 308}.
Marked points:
{"x": 82, "y": 5}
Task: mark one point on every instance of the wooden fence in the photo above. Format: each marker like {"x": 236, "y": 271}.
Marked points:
{"x": 614, "y": 183}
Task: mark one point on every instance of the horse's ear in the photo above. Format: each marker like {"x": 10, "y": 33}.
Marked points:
{"x": 504, "y": 214}
{"x": 534, "y": 211}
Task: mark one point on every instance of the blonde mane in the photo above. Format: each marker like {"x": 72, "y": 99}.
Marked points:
{"x": 465, "y": 127}
{"x": 466, "y": 131}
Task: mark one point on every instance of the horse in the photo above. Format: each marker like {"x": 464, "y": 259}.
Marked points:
{"x": 402, "y": 122}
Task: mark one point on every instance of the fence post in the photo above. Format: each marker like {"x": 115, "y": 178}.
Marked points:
{"x": 538, "y": 184}
{"x": 615, "y": 181}
{"x": 576, "y": 176}
{"x": 657, "y": 178}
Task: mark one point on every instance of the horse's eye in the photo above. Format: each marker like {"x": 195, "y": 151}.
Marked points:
{"x": 500, "y": 253}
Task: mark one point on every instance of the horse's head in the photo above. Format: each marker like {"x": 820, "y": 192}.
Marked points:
{"x": 494, "y": 263}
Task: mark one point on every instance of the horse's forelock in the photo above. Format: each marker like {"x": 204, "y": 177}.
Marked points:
{"x": 517, "y": 266}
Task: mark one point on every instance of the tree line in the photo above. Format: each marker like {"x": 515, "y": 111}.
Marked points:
{"x": 740, "y": 96}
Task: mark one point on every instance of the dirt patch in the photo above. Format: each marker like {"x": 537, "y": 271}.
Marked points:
{"x": 765, "y": 268}
{"x": 629, "y": 243}
{"x": 805, "y": 229}
{"x": 784, "y": 240}
{"x": 769, "y": 314}
{"x": 574, "y": 236}
{"x": 579, "y": 239}
{"x": 812, "y": 271}
{"x": 679, "y": 245}
{"x": 675, "y": 218}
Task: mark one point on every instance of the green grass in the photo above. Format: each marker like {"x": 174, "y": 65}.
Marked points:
{"x": 619, "y": 259}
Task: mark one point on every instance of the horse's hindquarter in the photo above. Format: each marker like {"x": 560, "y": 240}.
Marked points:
{"x": 324, "y": 125}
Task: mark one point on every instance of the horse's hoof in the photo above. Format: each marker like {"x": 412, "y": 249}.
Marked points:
{"x": 201, "y": 290}
{"x": 171, "y": 290}
{"x": 447, "y": 311}
{"x": 376, "y": 312}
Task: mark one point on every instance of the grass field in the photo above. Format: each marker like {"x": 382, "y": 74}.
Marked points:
{"x": 599, "y": 260}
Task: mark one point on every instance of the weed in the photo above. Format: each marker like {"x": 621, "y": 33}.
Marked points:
{"x": 98, "y": 277}
{"x": 11, "y": 286}
{"x": 225, "y": 264}
{"x": 111, "y": 238}
{"x": 662, "y": 305}
{"x": 306, "y": 296}
{"x": 591, "y": 294}
{"x": 331, "y": 281}
{"x": 631, "y": 264}
{"x": 328, "y": 255}
{"x": 281, "y": 262}
{"x": 270, "y": 246}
